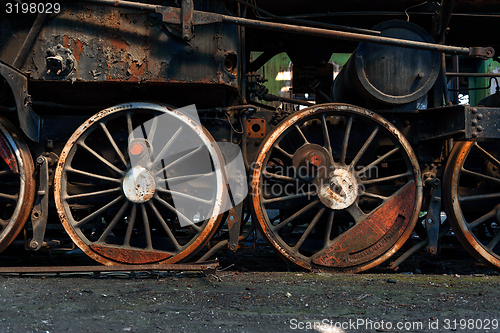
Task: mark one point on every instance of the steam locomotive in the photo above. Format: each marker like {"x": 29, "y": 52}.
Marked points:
{"x": 337, "y": 171}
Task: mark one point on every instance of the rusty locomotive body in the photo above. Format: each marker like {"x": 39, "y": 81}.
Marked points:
{"x": 339, "y": 172}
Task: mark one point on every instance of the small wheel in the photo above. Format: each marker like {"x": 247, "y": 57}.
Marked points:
{"x": 336, "y": 187}
{"x": 17, "y": 183}
{"x": 139, "y": 183}
{"x": 472, "y": 198}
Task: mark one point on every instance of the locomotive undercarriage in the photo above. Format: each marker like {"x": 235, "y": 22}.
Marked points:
{"x": 334, "y": 186}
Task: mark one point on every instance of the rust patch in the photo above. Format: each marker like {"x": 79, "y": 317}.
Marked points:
{"x": 256, "y": 128}
{"x": 119, "y": 44}
{"x": 136, "y": 71}
{"x": 65, "y": 41}
{"x": 78, "y": 49}
{"x": 76, "y": 46}
{"x": 374, "y": 236}
{"x": 129, "y": 256}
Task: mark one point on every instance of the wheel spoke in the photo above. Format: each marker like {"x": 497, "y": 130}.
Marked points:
{"x": 147, "y": 230}
{"x": 346, "y": 140}
{"x": 179, "y": 214}
{"x": 92, "y": 194}
{"x": 100, "y": 158}
{"x": 129, "y": 125}
{"x": 11, "y": 197}
{"x": 130, "y": 226}
{"x": 309, "y": 228}
{"x": 479, "y": 197}
{"x": 357, "y": 214}
{"x": 182, "y": 158}
{"x": 93, "y": 175}
{"x": 480, "y": 176}
{"x": 152, "y": 130}
{"x": 280, "y": 177}
{"x": 294, "y": 216}
{"x": 97, "y": 212}
{"x": 165, "y": 226}
{"x": 378, "y": 160}
{"x": 5, "y": 172}
{"x": 493, "y": 242}
{"x": 364, "y": 147}
{"x": 329, "y": 228}
{"x": 385, "y": 179}
{"x": 374, "y": 196}
{"x": 482, "y": 219}
{"x": 167, "y": 146}
{"x": 113, "y": 222}
{"x": 113, "y": 143}
{"x": 290, "y": 197}
{"x": 301, "y": 133}
{"x": 182, "y": 179}
{"x": 486, "y": 155}
{"x": 326, "y": 136}
{"x": 185, "y": 195}
{"x": 281, "y": 150}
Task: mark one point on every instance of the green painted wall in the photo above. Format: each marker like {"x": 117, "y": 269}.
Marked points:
{"x": 487, "y": 66}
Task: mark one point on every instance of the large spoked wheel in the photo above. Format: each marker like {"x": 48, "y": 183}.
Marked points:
{"x": 336, "y": 187}
{"x": 472, "y": 198}
{"x": 139, "y": 183}
{"x": 17, "y": 183}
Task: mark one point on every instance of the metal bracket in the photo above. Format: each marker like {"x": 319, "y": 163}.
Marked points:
{"x": 39, "y": 214}
{"x": 433, "y": 218}
{"x": 18, "y": 82}
{"x": 187, "y": 19}
{"x": 234, "y": 226}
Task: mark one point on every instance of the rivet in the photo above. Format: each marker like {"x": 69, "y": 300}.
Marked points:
{"x": 479, "y": 116}
{"x": 474, "y": 122}
{"x": 480, "y": 128}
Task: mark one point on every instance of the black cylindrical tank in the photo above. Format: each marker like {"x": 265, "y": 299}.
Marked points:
{"x": 388, "y": 75}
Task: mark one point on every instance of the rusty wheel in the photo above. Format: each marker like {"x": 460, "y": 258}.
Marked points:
{"x": 336, "y": 187}
{"x": 139, "y": 183}
{"x": 472, "y": 198}
{"x": 17, "y": 185}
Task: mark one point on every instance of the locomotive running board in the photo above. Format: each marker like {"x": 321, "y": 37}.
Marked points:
{"x": 209, "y": 267}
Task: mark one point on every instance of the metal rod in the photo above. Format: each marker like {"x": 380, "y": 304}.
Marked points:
{"x": 473, "y": 74}
{"x": 347, "y": 36}
{"x": 29, "y": 41}
{"x": 128, "y": 4}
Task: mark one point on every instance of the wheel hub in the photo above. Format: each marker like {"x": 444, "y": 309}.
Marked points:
{"x": 139, "y": 185}
{"x": 338, "y": 189}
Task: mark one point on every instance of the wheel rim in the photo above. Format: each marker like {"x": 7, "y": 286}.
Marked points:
{"x": 336, "y": 227}
{"x": 18, "y": 185}
{"x": 472, "y": 198}
{"x": 112, "y": 194}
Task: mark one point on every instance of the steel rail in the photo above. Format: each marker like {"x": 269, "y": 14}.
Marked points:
{"x": 207, "y": 266}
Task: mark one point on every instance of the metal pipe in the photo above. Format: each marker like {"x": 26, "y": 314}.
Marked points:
{"x": 455, "y": 83}
{"x": 473, "y": 74}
